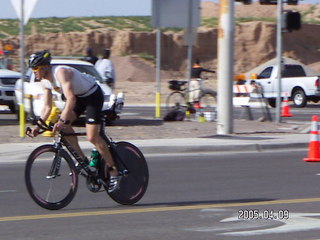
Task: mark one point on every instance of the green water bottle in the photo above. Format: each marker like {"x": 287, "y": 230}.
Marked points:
{"x": 95, "y": 156}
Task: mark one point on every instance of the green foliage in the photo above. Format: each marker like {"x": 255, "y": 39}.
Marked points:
{"x": 10, "y": 27}
{"x": 209, "y": 22}
{"x": 251, "y": 19}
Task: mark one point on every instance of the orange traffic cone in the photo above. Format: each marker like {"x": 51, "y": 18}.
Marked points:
{"x": 314, "y": 145}
{"x": 285, "y": 107}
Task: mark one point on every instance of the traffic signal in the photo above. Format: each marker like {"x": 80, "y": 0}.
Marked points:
{"x": 292, "y": 21}
{"x": 268, "y": 2}
{"x": 275, "y": 2}
{"x": 246, "y": 2}
{"x": 292, "y": 2}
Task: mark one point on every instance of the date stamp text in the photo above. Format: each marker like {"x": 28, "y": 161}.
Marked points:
{"x": 267, "y": 214}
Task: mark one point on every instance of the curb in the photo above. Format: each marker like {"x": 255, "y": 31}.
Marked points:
{"x": 221, "y": 148}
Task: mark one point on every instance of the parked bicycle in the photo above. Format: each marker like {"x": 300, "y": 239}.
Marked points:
{"x": 205, "y": 98}
{"x": 51, "y": 172}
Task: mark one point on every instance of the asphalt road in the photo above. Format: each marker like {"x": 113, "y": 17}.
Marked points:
{"x": 222, "y": 196}
{"x": 299, "y": 114}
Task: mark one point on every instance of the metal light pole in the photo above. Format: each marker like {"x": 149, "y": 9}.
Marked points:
{"x": 225, "y": 67}
{"x": 189, "y": 41}
{"x": 279, "y": 58}
{"x": 158, "y": 74}
{"x": 21, "y": 106}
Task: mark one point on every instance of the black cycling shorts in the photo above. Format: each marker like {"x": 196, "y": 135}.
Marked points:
{"x": 91, "y": 105}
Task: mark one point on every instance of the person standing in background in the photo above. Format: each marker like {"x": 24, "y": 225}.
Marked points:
{"x": 106, "y": 69}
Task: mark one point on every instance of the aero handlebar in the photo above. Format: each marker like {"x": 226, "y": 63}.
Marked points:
{"x": 41, "y": 124}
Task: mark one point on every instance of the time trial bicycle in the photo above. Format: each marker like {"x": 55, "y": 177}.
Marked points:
{"x": 52, "y": 170}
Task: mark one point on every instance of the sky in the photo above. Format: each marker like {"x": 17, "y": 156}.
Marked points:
{"x": 88, "y": 8}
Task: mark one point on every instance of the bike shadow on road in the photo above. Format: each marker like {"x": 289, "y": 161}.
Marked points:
{"x": 208, "y": 202}
{"x": 191, "y": 203}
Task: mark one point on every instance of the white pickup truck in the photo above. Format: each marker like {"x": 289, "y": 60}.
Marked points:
{"x": 33, "y": 92}
{"x": 299, "y": 87}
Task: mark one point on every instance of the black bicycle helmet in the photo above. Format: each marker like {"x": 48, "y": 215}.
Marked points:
{"x": 40, "y": 58}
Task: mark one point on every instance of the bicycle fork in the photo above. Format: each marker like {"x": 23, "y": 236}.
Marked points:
{"x": 55, "y": 167}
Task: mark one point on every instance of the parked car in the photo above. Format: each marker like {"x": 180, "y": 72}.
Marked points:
{"x": 299, "y": 86}
{"x": 8, "y": 80}
{"x": 33, "y": 92}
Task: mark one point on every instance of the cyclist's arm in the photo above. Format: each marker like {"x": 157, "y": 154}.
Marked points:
{"x": 45, "y": 112}
{"x": 207, "y": 70}
{"x": 47, "y": 106}
{"x": 64, "y": 76}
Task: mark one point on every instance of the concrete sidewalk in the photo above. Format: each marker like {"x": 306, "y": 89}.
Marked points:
{"x": 229, "y": 143}
{"x": 224, "y": 143}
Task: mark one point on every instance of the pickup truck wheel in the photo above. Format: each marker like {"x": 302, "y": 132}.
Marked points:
{"x": 299, "y": 98}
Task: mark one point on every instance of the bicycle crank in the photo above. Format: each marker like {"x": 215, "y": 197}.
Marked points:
{"x": 92, "y": 184}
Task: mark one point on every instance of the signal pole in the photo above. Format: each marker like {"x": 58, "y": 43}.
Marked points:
{"x": 225, "y": 67}
{"x": 279, "y": 58}
{"x": 21, "y": 106}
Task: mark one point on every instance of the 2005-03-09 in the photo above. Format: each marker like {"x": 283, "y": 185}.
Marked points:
{"x": 254, "y": 214}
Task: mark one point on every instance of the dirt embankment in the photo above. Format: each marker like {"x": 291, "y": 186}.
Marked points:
{"x": 255, "y": 43}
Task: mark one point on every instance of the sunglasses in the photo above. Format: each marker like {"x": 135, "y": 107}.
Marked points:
{"x": 37, "y": 68}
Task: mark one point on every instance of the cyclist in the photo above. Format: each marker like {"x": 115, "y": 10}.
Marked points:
{"x": 105, "y": 67}
{"x": 82, "y": 93}
{"x": 194, "y": 86}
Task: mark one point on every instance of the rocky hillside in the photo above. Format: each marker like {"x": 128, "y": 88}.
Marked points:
{"x": 310, "y": 12}
{"x": 255, "y": 43}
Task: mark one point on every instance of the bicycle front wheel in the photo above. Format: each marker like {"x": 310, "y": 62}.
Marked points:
{"x": 134, "y": 183}
{"x": 176, "y": 101}
{"x": 208, "y": 100}
{"x": 51, "y": 177}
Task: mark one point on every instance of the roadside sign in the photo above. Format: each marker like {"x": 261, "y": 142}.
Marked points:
{"x": 175, "y": 13}
{"x": 28, "y": 6}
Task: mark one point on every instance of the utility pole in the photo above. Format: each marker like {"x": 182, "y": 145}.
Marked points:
{"x": 225, "y": 67}
{"x": 279, "y": 58}
{"x": 158, "y": 73}
{"x": 189, "y": 40}
{"x": 21, "y": 106}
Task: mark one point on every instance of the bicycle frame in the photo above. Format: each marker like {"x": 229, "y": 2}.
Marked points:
{"x": 62, "y": 141}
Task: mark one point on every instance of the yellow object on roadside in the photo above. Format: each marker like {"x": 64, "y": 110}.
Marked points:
{"x": 52, "y": 119}
{"x": 201, "y": 118}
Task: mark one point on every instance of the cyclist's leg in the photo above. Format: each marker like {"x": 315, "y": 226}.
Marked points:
{"x": 73, "y": 140}
{"x": 94, "y": 137}
{"x": 94, "y": 104}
